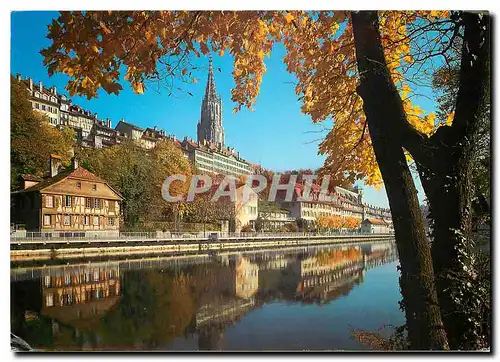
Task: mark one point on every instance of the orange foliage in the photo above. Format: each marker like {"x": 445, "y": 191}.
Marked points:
{"x": 320, "y": 53}
{"x": 338, "y": 256}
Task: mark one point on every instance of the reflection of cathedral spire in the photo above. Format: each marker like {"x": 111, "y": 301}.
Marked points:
{"x": 210, "y": 125}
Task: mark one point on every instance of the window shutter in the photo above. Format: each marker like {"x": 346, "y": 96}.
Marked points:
{"x": 56, "y": 201}
{"x": 43, "y": 200}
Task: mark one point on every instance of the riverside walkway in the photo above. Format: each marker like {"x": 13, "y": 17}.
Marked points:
{"x": 125, "y": 237}
{"x": 43, "y": 245}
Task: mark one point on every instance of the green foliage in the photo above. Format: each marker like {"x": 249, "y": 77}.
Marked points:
{"x": 138, "y": 174}
{"x": 128, "y": 169}
{"x": 32, "y": 139}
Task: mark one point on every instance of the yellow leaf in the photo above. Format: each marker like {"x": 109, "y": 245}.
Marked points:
{"x": 138, "y": 87}
{"x": 150, "y": 37}
{"x": 289, "y": 17}
{"x": 449, "y": 119}
{"x": 85, "y": 82}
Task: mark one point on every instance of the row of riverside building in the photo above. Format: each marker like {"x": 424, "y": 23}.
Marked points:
{"x": 77, "y": 200}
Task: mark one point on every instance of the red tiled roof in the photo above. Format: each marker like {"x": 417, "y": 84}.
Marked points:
{"x": 79, "y": 173}
{"x": 376, "y": 221}
{"x": 29, "y": 177}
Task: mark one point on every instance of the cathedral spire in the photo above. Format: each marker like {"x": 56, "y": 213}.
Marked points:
{"x": 210, "y": 91}
{"x": 210, "y": 125}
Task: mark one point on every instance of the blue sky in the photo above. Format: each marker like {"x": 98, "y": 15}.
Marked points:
{"x": 276, "y": 134}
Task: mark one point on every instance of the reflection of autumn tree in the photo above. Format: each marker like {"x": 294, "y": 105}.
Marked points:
{"x": 338, "y": 256}
{"x": 155, "y": 308}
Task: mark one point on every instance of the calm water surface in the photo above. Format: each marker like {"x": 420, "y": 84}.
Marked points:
{"x": 288, "y": 299}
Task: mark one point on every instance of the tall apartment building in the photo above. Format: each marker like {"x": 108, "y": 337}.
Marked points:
{"x": 344, "y": 203}
{"x": 58, "y": 108}
{"x": 212, "y": 158}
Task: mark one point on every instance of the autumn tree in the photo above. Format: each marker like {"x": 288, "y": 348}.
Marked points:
{"x": 32, "y": 138}
{"x": 357, "y": 71}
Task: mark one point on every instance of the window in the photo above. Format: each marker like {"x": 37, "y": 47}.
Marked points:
{"x": 94, "y": 187}
{"x": 67, "y": 201}
{"x": 49, "y": 300}
{"x": 111, "y": 221}
{"x": 88, "y": 202}
{"x": 47, "y": 281}
{"x": 96, "y": 203}
{"x": 96, "y": 220}
{"x": 46, "y": 220}
{"x": 67, "y": 220}
{"x": 43, "y": 107}
{"x": 86, "y": 220}
{"x": 78, "y": 185}
{"x": 67, "y": 299}
{"x": 67, "y": 279}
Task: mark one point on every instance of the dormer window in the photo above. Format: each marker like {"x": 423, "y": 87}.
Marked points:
{"x": 78, "y": 185}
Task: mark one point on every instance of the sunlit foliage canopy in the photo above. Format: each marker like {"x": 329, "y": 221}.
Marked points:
{"x": 96, "y": 48}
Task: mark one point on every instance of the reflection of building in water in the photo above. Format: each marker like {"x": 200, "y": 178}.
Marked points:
{"x": 222, "y": 311}
{"x": 246, "y": 278}
{"x": 77, "y": 296}
{"x": 214, "y": 295}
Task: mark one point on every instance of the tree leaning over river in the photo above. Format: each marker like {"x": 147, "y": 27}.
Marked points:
{"x": 376, "y": 127}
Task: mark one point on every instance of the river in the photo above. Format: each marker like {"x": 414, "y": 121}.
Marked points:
{"x": 302, "y": 298}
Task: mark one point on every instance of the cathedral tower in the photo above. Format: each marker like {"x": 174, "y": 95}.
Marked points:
{"x": 210, "y": 125}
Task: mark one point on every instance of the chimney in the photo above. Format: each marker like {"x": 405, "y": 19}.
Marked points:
{"x": 54, "y": 163}
{"x": 54, "y": 90}
{"x": 74, "y": 163}
{"x": 155, "y": 128}
{"x": 108, "y": 122}
{"x": 18, "y": 76}
{"x": 31, "y": 84}
{"x": 41, "y": 86}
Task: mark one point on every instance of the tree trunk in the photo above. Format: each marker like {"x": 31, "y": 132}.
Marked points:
{"x": 446, "y": 177}
{"x": 383, "y": 109}
{"x": 448, "y": 191}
